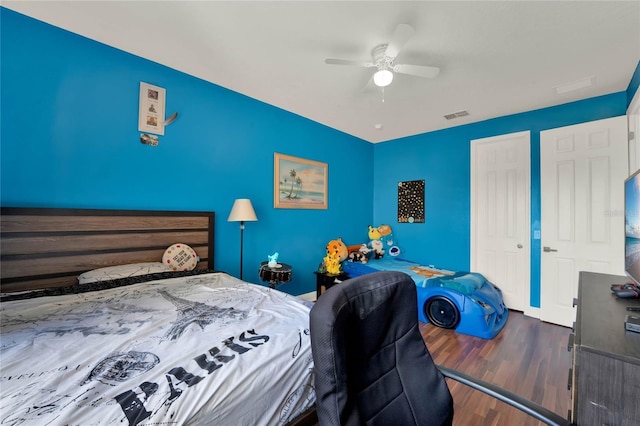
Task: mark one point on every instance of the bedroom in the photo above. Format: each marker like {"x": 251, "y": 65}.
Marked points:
{"x": 69, "y": 140}
{"x": 69, "y": 152}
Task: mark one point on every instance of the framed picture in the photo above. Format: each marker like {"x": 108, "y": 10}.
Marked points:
{"x": 411, "y": 201}
{"x": 151, "y": 109}
{"x": 299, "y": 183}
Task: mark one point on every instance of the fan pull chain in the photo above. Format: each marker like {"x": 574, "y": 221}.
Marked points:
{"x": 383, "y": 95}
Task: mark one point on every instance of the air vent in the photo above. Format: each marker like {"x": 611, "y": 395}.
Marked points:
{"x": 456, "y": 115}
{"x": 575, "y": 85}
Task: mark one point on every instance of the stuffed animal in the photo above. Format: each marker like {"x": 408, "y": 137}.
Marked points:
{"x": 378, "y": 249}
{"x": 358, "y": 253}
{"x": 364, "y": 249}
{"x": 336, "y": 253}
{"x": 358, "y": 256}
{"x": 384, "y": 230}
{"x": 332, "y": 265}
{"x": 336, "y": 248}
{"x": 374, "y": 233}
{"x": 381, "y": 237}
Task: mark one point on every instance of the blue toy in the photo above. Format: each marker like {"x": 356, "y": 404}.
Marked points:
{"x": 466, "y": 302}
{"x": 463, "y": 301}
{"x": 273, "y": 260}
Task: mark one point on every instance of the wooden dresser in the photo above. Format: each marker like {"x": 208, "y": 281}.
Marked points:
{"x": 605, "y": 374}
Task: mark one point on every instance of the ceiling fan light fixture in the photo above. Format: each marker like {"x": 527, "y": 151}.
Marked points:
{"x": 383, "y": 78}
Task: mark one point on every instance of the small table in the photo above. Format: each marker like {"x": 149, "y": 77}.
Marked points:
{"x": 325, "y": 281}
{"x": 281, "y": 273}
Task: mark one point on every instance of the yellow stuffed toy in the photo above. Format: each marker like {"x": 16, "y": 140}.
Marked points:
{"x": 336, "y": 253}
{"x": 374, "y": 233}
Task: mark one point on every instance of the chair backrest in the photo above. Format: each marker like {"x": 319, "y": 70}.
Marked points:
{"x": 371, "y": 364}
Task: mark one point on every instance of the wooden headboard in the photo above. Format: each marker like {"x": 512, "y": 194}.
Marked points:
{"x": 41, "y": 247}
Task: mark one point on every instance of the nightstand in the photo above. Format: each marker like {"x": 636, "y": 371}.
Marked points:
{"x": 325, "y": 281}
{"x": 279, "y": 274}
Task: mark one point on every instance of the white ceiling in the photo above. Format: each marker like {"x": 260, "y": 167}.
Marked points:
{"x": 496, "y": 57}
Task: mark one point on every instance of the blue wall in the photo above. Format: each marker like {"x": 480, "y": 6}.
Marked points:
{"x": 443, "y": 159}
{"x": 69, "y": 138}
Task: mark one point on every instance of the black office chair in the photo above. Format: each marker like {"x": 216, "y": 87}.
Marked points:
{"x": 372, "y": 366}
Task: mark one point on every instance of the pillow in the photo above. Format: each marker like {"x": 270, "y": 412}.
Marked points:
{"x": 121, "y": 271}
{"x": 180, "y": 257}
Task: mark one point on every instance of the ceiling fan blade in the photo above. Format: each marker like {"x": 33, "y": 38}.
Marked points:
{"x": 417, "y": 70}
{"x": 348, "y": 62}
{"x": 400, "y": 37}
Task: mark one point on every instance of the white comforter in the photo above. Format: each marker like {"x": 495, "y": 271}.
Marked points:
{"x": 206, "y": 349}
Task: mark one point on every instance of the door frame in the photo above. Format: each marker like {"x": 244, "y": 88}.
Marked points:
{"x": 528, "y": 310}
{"x": 633, "y": 120}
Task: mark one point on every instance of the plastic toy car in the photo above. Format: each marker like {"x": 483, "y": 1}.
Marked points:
{"x": 464, "y": 301}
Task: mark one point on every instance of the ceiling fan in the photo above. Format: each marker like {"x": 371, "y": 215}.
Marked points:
{"x": 384, "y": 56}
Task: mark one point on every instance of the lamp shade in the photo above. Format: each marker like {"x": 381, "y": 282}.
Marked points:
{"x": 242, "y": 211}
{"x": 383, "y": 78}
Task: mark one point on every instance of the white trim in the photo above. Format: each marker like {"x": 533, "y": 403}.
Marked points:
{"x": 532, "y": 312}
{"x": 311, "y": 296}
{"x": 633, "y": 125}
{"x": 634, "y": 106}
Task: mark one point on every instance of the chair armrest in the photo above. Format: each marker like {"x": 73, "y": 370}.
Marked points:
{"x": 539, "y": 412}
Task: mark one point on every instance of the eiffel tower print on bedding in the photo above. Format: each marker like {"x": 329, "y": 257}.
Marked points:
{"x": 200, "y": 349}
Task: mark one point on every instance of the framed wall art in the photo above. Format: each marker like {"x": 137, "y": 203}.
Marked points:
{"x": 299, "y": 183}
{"x": 411, "y": 201}
{"x": 151, "y": 109}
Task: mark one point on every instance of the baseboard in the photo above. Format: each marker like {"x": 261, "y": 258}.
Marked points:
{"x": 532, "y": 312}
{"x": 311, "y": 296}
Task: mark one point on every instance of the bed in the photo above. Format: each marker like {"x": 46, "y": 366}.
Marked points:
{"x": 464, "y": 301}
{"x": 154, "y": 347}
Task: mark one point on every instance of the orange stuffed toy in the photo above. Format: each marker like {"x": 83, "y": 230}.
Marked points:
{"x": 336, "y": 253}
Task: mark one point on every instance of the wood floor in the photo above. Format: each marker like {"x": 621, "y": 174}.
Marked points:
{"x": 529, "y": 357}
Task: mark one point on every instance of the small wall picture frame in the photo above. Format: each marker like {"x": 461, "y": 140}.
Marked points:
{"x": 299, "y": 183}
{"x": 411, "y": 201}
{"x": 151, "y": 109}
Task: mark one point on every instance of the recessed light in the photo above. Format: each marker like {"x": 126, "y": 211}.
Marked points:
{"x": 378, "y": 126}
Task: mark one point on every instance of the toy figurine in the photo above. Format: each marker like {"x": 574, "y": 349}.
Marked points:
{"x": 273, "y": 260}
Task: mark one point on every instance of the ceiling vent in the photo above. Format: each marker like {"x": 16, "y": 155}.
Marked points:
{"x": 456, "y": 115}
{"x": 575, "y": 85}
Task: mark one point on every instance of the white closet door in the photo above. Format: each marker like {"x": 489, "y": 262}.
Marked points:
{"x": 582, "y": 173}
{"x": 500, "y": 214}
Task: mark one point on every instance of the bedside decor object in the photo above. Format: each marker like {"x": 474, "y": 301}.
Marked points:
{"x": 299, "y": 183}
{"x": 281, "y": 273}
{"x": 273, "y": 260}
{"x": 242, "y": 211}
